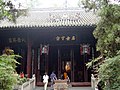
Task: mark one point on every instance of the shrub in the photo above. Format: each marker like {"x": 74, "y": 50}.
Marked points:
{"x": 109, "y": 73}
{"x": 7, "y": 69}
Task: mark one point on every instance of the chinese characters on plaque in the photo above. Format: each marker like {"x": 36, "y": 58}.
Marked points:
{"x": 65, "y": 38}
{"x": 16, "y": 40}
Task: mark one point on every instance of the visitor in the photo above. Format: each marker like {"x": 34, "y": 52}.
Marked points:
{"x": 65, "y": 75}
{"x": 21, "y": 75}
{"x": 53, "y": 78}
{"x": 45, "y": 80}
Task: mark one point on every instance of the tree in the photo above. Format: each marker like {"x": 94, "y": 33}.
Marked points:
{"x": 107, "y": 33}
{"x": 109, "y": 72}
{"x": 8, "y": 11}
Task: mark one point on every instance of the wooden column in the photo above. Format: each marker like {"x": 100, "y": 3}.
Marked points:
{"x": 72, "y": 65}
{"x": 23, "y": 60}
{"x": 71, "y": 58}
{"x": 85, "y": 68}
{"x": 29, "y": 60}
{"x": 59, "y": 64}
{"x": 46, "y": 68}
{"x": 35, "y": 63}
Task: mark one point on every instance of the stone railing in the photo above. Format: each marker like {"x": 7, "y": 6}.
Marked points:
{"x": 29, "y": 85}
{"x": 94, "y": 82}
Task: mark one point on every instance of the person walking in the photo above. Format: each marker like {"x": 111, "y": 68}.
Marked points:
{"x": 53, "y": 78}
{"x": 45, "y": 80}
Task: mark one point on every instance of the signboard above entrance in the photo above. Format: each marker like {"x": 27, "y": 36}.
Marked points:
{"x": 16, "y": 40}
{"x": 65, "y": 38}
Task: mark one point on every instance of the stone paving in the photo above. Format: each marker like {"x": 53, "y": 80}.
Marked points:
{"x": 72, "y": 88}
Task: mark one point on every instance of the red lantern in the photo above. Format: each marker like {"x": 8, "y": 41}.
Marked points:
{"x": 85, "y": 49}
{"x": 44, "y": 49}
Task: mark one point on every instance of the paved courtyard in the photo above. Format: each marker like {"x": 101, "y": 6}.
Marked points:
{"x": 72, "y": 88}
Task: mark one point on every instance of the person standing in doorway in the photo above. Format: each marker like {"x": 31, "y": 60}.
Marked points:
{"x": 53, "y": 78}
{"x": 65, "y": 75}
{"x": 45, "y": 80}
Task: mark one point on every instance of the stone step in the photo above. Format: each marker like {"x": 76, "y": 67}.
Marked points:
{"x": 74, "y": 84}
{"x": 72, "y": 88}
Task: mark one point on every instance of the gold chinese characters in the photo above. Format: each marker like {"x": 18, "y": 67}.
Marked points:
{"x": 65, "y": 38}
{"x": 16, "y": 40}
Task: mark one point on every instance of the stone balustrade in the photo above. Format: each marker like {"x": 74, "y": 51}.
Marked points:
{"x": 94, "y": 82}
{"x": 29, "y": 85}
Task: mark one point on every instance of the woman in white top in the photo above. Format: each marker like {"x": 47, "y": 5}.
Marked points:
{"x": 45, "y": 80}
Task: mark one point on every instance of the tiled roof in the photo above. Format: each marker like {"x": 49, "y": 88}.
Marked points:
{"x": 46, "y": 18}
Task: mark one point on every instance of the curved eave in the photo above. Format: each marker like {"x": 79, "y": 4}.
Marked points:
{"x": 45, "y": 26}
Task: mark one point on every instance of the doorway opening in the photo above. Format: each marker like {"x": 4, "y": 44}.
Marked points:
{"x": 63, "y": 55}
{"x": 59, "y": 57}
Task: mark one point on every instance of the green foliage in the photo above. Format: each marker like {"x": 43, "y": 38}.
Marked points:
{"x": 20, "y": 80}
{"x": 107, "y": 33}
{"x": 7, "y": 69}
{"x": 94, "y": 4}
{"x": 3, "y": 12}
{"x": 109, "y": 72}
{"x": 8, "y": 11}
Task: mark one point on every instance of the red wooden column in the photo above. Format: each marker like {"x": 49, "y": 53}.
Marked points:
{"x": 29, "y": 60}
